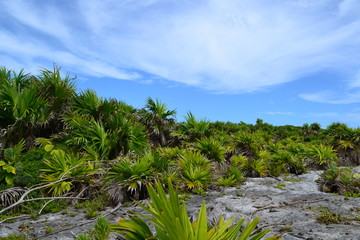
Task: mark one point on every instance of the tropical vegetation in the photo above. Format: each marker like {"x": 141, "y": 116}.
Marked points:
{"x": 57, "y": 143}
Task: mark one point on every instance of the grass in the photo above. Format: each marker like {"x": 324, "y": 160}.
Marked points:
{"x": 352, "y": 194}
{"x": 91, "y": 213}
{"x": 48, "y": 230}
{"x": 14, "y": 237}
{"x": 92, "y": 207}
{"x": 72, "y": 214}
{"x": 327, "y": 217}
{"x": 287, "y": 228}
{"x": 292, "y": 179}
{"x": 280, "y": 186}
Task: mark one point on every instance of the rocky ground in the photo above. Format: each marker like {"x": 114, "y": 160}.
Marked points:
{"x": 288, "y": 205}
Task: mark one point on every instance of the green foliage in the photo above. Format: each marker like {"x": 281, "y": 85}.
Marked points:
{"x": 14, "y": 237}
{"x": 68, "y": 166}
{"x": 133, "y": 173}
{"x": 233, "y": 177}
{"x": 249, "y": 166}
{"x": 227, "y": 181}
{"x": 292, "y": 179}
{"x": 48, "y": 230}
{"x": 247, "y": 143}
{"x": 287, "y": 228}
{"x": 280, "y": 186}
{"x": 171, "y": 221}
{"x": 352, "y": 194}
{"x": 89, "y": 104}
{"x": 54, "y": 206}
{"x": 333, "y": 172}
{"x": 159, "y": 121}
{"x": 169, "y": 152}
{"x": 102, "y": 230}
{"x": 33, "y": 106}
{"x": 106, "y": 131}
{"x": 7, "y": 167}
{"x": 91, "y": 213}
{"x": 92, "y": 207}
{"x": 237, "y": 174}
{"x": 327, "y": 217}
{"x": 7, "y": 173}
{"x": 84, "y": 135}
{"x": 322, "y": 155}
{"x": 158, "y": 162}
{"x": 340, "y": 180}
{"x": 211, "y": 148}
{"x": 288, "y": 157}
{"x": 193, "y": 129}
{"x": 195, "y": 170}
{"x": 28, "y": 167}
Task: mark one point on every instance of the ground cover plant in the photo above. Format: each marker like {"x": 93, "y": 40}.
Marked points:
{"x": 171, "y": 221}
{"x": 60, "y": 144}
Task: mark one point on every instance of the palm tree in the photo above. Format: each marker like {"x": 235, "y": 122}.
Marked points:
{"x": 345, "y": 141}
{"x": 22, "y": 109}
{"x": 58, "y": 92}
{"x": 108, "y": 139}
{"x": 158, "y": 120}
{"x": 315, "y": 128}
{"x": 89, "y": 104}
{"x": 32, "y": 106}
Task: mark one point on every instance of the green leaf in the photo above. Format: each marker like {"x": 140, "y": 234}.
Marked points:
{"x": 9, "y": 179}
{"x": 10, "y": 169}
{"x": 249, "y": 229}
{"x": 171, "y": 221}
{"x": 66, "y": 186}
{"x": 2, "y": 163}
{"x": 48, "y": 147}
{"x": 201, "y": 223}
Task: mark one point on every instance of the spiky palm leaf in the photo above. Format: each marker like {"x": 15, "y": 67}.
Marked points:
{"x": 322, "y": 155}
{"x": 193, "y": 129}
{"x": 211, "y": 148}
{"x": 67, "y": 166}
{"x": 158, "y": 120}
{"x": 171, "y": 222}
{"x": 131, "y": 174}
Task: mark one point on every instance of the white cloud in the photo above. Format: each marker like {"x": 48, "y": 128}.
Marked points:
{"x": 355, "y": 81}
{"x": 24, "y": 55}
{"x": 47, "y": 19}
{"x": 332, "y": 97}
{"x": 221, "y": 45}
{"x": 328, "y": 115}
{"x": 280, "y": 113}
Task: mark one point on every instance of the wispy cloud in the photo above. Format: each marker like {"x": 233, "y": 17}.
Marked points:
{"x": 333, "y": 97}
{"x": 280, "y": 113}
{"x": 331, "y": 115}
{"x": 227, "y": 46}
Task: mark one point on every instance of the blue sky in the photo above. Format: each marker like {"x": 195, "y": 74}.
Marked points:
{"x": 284, "y": 61}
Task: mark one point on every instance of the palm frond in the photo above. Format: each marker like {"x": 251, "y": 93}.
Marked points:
{"x": 11, "y": 195}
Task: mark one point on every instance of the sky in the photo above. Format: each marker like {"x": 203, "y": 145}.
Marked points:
{"x": 288, "y": 62}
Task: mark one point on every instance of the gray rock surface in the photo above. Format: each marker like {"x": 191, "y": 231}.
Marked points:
{"x": 288, "y": 205}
